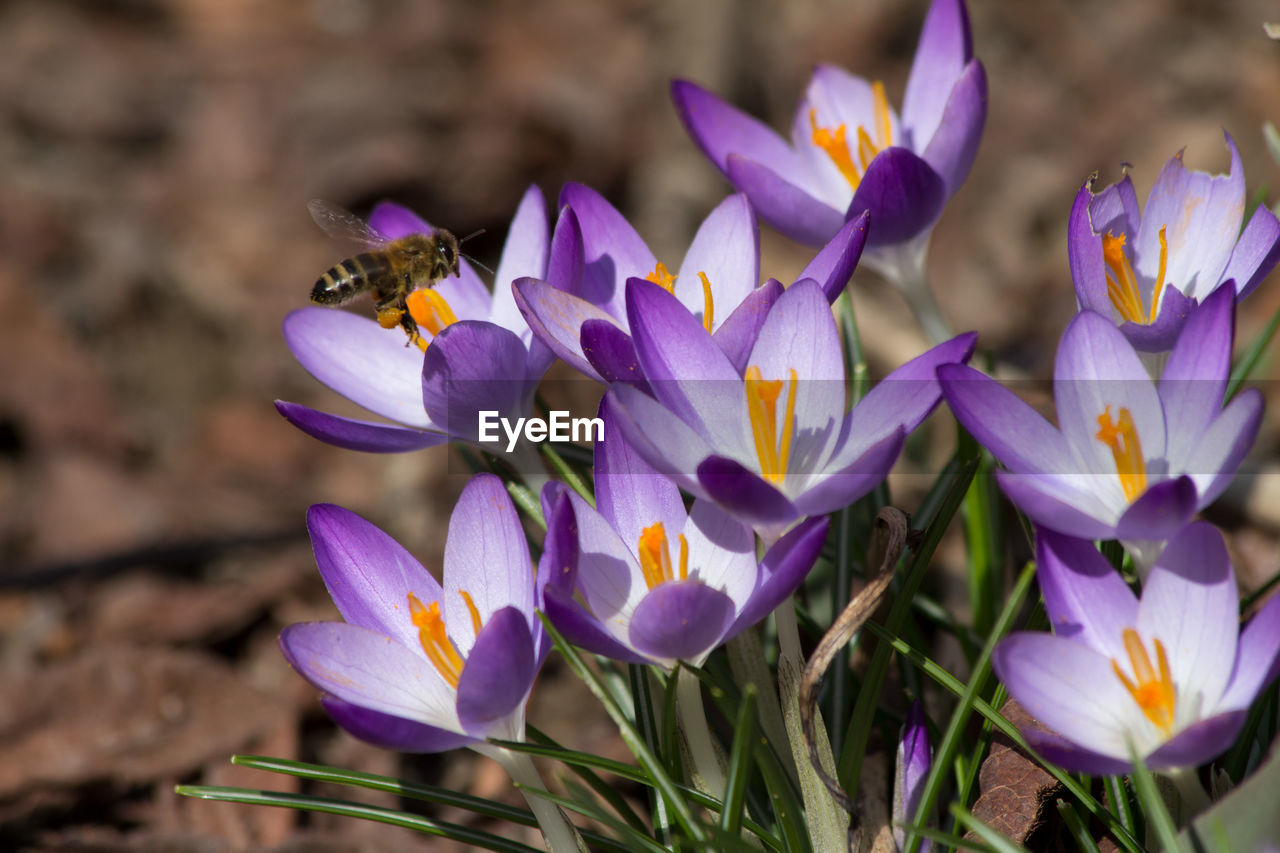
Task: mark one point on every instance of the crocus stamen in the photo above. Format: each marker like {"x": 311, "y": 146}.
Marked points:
{"x": 476, "y": 624}
{"x": 867, "y": 150}
{"x": 1154, "y": 692}
{"x": 429, "y": 309}
{"x": 773, "y": 450}
{"x": 884, "y": 130}
{"x": 1122, "y": 437}
{"x": 435, "y": 642}
{"x": 662, "y": 278}
{"x": 833, "y": 143}
{"x": 1122, "y": 284}
{"x": 655, "y": 556}
{"x": 708, "y": 307}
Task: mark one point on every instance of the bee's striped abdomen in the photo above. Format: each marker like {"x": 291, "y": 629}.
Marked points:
{"x": 346, "y": 279}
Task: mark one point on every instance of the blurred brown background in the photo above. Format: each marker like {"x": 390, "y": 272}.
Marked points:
{"x": 156, "y": 157}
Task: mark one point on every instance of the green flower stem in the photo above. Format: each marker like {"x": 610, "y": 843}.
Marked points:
{"x": 560, "y": 834}
{"x": 747, "y": 663}
{"x": 708, "y": 766}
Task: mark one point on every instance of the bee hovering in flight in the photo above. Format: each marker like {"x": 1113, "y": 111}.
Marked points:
{"x": 389, "y": 269}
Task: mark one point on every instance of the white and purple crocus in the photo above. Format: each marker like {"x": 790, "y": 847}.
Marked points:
{"x": 659, "y": 584}
{"x": 768, "y": 439}
{"x": 1131, "y": 459}
{"x": 850, "y": 152}
{"x": 418, "y": 666}
{"x": 718, "y": 281}
{"x": 1167, "y": 677}
{"x": 1147, "y": 269}
{"x": 480, "y": 354}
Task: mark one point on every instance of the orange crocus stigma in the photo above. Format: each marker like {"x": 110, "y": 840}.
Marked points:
{"x": 773, "y": 445}
{"x": 431, "y": 312}
{"x": 1153, "y": 690}
{"x": 435, "y": 642}
{"x": 708, "y": 304}
{"x": 1122, "y": 284}
{"x": 662, "y": 278}
{"x": 834, "y": 140}
{"x": 1122, "y": 437}
{"x": 655, "y": 556}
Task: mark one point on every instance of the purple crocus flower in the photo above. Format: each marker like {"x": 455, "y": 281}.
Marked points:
{"x": 1131, "y": 459}
{"x": 658, "y": 583}
{"x": 769, "y": 441}
{"x": 915, "y": 758}
{"x": 1169, "y": 676}
{"x": 480, "y": 354}
{"x": 718, "y": 281}
{"x": 849, "y": 151}
{"x": 1147, "y": 269}
{"x": 417, "y": 666}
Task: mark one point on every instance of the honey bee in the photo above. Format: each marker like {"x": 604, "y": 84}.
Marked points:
{"x": 389, "y": 269}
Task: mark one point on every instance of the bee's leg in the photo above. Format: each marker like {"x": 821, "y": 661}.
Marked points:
{"x": 392, "y": 312}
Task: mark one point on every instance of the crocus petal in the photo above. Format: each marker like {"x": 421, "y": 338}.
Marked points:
{"x": 394, "y": 221}
{"x": 485, "y": 555}
{"x": 834, "y": 264}
{"x": 1084, "y": 251}
{"x": 363, "y": 362}
{"x": 368, "y": 574}
{"x": 722, "y": 552}
{"x": 955, "y": 144}
{"x": 630, "y": 493}
{"x": 1015, "y": 433}
{"x": 1224, "y": 445}
{"x": 1074, "y": 757}
{"x": 944, "y": 50}
{"x": 1159, "y": 512}
{"x": 352, "y": 434}
{"x": 665, "y": 441}
{"x": 911, "y": 768}
{"x": 1201, "y": 215}
{"x": 1257, "y": 658}
{"x": 470, "y": 367}
{"x": 524, "y": 253}
{"x": 737, "y": 334}
{"x": 390, "y": 732}
{"x": 784, "y": 204}
{"x": 1085, "y": 598}
{"x": 612, "y": 250}
{"x": 1052, "y": 502}
{"x": 1161, "y": 335}
{"x": 838, "y": 487}
{"x": 609, "y": 576}
{"x": 903, "y": 193}
{"x": 611, "y": 352}
{"x": 369, "y": 669}
{"x": 744, "y": 492}
{"x": 498, "y": 673}
{"x": 1194, "y": 378}
{"x": 783, "y": 569}
{"x": 582, "y": 629}
{"x": 1068, "y": 687}
{"x": 727, "y": 249}
{"x": 1198, "y": 743}
{"x": 1188, "y": 598}
{"x": 558, "y": 565}
{"x": 680, "y": 620}
{"x": 556, "y": 319}
{"x": 1256, "y": 252}
{"x": 721, "y": 130}
{"x": 1115, "y": 209}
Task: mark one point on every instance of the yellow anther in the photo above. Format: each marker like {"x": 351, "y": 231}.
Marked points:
{"x": 867, "y": 150}
{"x": 1122, "y": 284}
{"x": 662, "y": 278}
{"x": 655, "y": 556}
{"x": 772, "y": 449}
{"x": 476, "y": 624}
{"x": 429, "y": 309}
{"x": 435, "y": 642}
{"x": 834, "y": 144}
{"x": 708, "y": 307}
{"x": 1153, "y": 691}
{"x": 1122, "y": 437}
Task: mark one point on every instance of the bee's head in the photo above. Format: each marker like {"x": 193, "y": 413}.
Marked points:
{"x": 447, "y": 252}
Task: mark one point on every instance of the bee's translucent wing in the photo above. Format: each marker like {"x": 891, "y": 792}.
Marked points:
{"x": 342, "y": 224}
